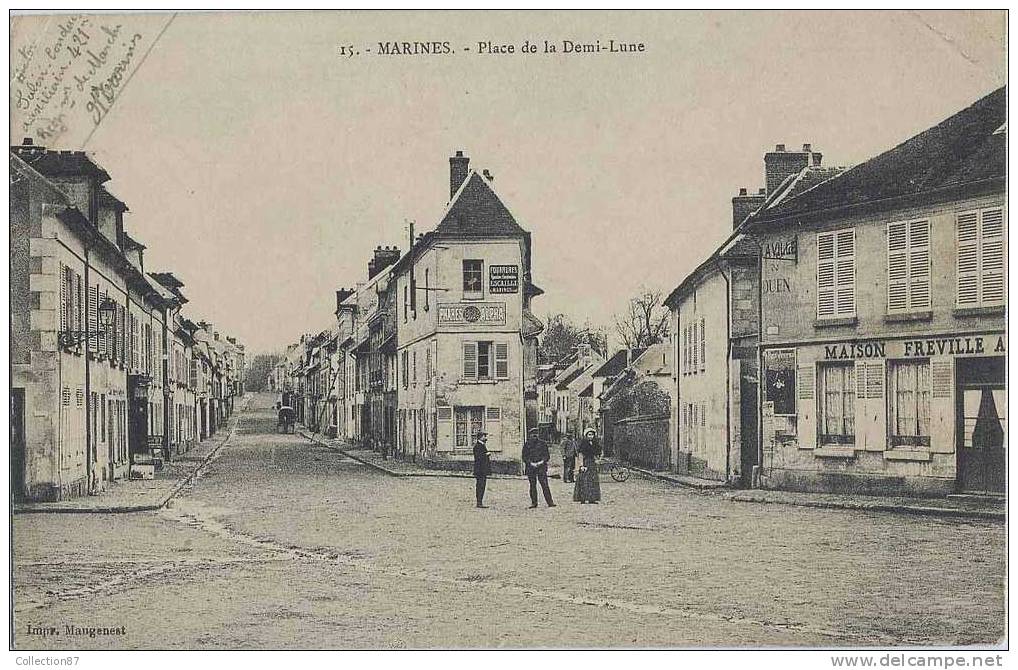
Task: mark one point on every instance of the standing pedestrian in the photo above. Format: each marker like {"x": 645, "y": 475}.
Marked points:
{"x": 535, "y": 460}
{"x": 568, "y": 459}
{"x": 588, "y": 486}
{"x": 482, "y": 467}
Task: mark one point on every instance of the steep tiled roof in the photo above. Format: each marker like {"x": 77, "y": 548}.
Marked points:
{"x": 53, "y": 163}
{"x": 569, "y": 378}
{"x": 476, "y": 211}
{"x": 614, "y": 365}
{"x": 964, "y": 149}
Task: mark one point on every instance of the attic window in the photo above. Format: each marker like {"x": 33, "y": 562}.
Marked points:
{"x": 473, "y": 278}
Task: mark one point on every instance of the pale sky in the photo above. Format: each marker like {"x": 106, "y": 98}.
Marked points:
{"x": 262, "y": 168}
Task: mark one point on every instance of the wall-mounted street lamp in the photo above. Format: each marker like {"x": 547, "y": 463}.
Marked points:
{"x": 107, "y": 313}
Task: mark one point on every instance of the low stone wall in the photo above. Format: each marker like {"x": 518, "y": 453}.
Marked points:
{"x": 643, "y": 441}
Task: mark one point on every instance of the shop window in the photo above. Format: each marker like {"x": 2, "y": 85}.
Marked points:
{"x": 473, "y": 278}
{"x": 837, "y": 403}
{"x": 779, "y": 368}
{"x": 909, "y": 400}
{"x": 469, "y": 422}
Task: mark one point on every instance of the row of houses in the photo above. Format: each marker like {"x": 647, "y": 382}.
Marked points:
{"x": 435, "y": 344}
{"x": 107, "y": 372}
{"x": 849, "y": 335}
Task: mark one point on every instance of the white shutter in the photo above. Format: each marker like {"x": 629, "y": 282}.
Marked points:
{"x": 103, "y": 333}
{"x": 991, "y": 242}
{"x": 968, "y": 259}
{"x": 93, "y": 304}
{"x": 501, "y": 360}
{"x": 919, "y": 265}
{"x": 493, "y": 414}
{"x": 825, "y": 275}
{"x": 897, "y": 267}
{"x": 470, "y": 360}
{"x": 703, "y": 345}
{"x": 845, "y": 272}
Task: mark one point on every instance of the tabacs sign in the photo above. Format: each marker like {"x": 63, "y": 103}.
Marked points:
{"x": 504, "y": 279}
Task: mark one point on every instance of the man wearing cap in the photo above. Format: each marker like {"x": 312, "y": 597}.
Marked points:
{"x": 535, "y": 461}
{"x": 482, "y": 467}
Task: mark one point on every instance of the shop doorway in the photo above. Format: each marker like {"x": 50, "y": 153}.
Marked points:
{"x": 747, "y": 429}
{"x": 138, "y": 415}
{"x": 18, "y": 444}
{"x": 981, "y": 424}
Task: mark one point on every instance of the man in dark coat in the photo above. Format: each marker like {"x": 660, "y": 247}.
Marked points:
{"x": 568, "y": 459}
{"x": 482, "y": 467}
{"x": 535, "y": 461}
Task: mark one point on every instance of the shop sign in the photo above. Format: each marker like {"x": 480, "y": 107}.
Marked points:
{"x": 503, "y": 279}
{"x": 469, "y": 313}
{"x": 781, "y": 249}
{"x": 972, "y": 345}
{"x": 779, "y": 389}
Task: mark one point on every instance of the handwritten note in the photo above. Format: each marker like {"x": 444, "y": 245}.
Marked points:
{"x": 68, "y": 71}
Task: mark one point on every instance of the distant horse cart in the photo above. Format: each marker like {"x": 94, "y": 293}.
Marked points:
{"x": 286, "y": 419}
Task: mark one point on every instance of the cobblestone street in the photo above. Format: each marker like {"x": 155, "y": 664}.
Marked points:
{"x": 284, "y": 543}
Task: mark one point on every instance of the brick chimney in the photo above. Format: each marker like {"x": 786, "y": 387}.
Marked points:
{"x": 342, "y": 294}
{"x": 780, "y": 164}
{"x": 382, "y": 258}
{"x": 459, "y": 168}
{"x": 745, "y": 204}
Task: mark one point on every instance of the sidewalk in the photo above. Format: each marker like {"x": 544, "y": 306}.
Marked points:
{"x": 143, "y": 495}
{"x": 967, "y": 507}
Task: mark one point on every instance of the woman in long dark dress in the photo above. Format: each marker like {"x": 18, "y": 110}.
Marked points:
{"x": 588, "y": 485}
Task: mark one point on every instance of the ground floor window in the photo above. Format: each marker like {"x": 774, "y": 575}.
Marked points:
{"x": 469, "y": 422}
{"x": 909, "y": 400}
{"x": 836, "y": 403}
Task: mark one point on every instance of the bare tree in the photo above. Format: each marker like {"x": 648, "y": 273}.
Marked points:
{"x": 644, "y": 322}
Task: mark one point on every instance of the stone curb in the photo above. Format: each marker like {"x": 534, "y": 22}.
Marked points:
{"x": 128, "y": 509}
{"x": 689, "y": 483}
{"x": 396, "y": 473}
{"x": 918, "y": 510}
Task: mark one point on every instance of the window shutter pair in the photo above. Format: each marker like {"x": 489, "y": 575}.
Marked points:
{"x": 836, "y": 274}
{"x": 908, "y": 266}
{"x": 980, "y": 258}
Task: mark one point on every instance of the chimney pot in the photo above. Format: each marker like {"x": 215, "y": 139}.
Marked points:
{"x": 807, "y": 148}
{"x": 742, "y": 191}
{"x": 817, "y": 158}
{"x": 459, "y": 154}
{"x": 762, "y": 191}
{"x": 27, "y": 142}
{"x": 779, "y": 147}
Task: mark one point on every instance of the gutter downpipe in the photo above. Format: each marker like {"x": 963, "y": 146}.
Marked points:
{"x": 88, "y": 377}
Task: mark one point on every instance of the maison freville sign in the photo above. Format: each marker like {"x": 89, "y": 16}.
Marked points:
{"x": 973, "y": 345}
{"x": 464, "y": 313}
{"x": 504, "y": 279}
